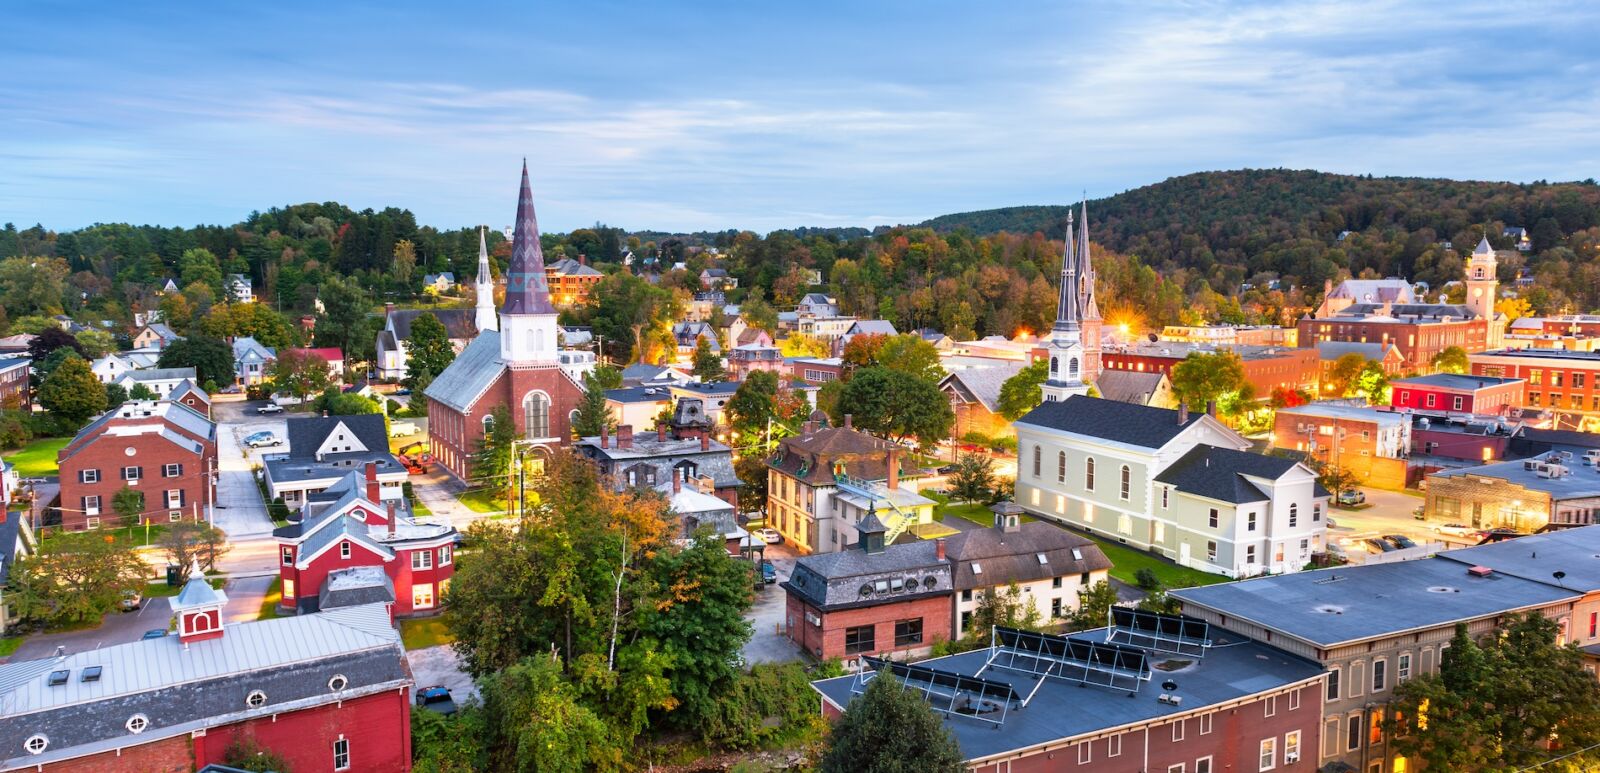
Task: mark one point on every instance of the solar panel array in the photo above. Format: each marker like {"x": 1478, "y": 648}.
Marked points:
{"x": 947, "y": 692}
{"x": 1162, "y": 633}
{"x": 1070, "y": 658}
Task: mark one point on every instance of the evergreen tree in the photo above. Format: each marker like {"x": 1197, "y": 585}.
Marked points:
{"x": 707, "y": 364}
{"x": 593, "y": 415}
{"x": 491, "y": 464}
{"x": 428, "y": 350}
{"x": 890, "y": 728}
{"x": 973, "y": 477}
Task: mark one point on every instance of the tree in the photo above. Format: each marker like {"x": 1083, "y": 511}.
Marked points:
{"x": 95, "y": 343}
{"x": 256, "y": 320}
{"x": 30, "y": 285}
{"x": 299, "y": 373}
{"x": 43, "y": 368}
{"x": 73, "y": 393}
{"x": 51, "y": 339}
{"x": 973, "y": 478}
{"x": 1094, "y": 607}
{"x": 896, "y": 405}
{"x": 707, "y": 364}
{"x": 491, "y": 464}
{"x": 1203, "y": 377}
{"x": 1023, "y": 392}
{"x": 538, "y": 723}
{"x": 1334, "y": 477}
{"x": 908, "y": 353}
{"x": 128, "y": 504}
{"x": 753, "y": 404}
{"x": 629, "y": 312}
{"x": 1340, "y": 378}
{"x": 1373, "y": 384}
{"x": 701, "y": 596}
{"x": 802, "y": 345}
{"x": 115, "y": 395}
{"x": 919, "y": 742}
{"x": 343, "y": 322}
{"x": 1007, "y": 608}
{"x": 405, "y": 263}
{"x": 759, "y": 314}
{"x": 211, "y": 358}
{"x": 138, "y": 392}
{"x": 1452, "y": 359}
{"x": 861, "y": 352}
{"x": 245, "y": 754}
{"x": 1514, "y": 308}
{"x": 752, "y": 472}
{"x": 607, "y": 376}
{"x": 593, "y": 415}
{"x": 1537, "y": 689}
{"x": 428, "y": 350}
{"x": 188, "y": 541}
{"x": 80, "y": 577}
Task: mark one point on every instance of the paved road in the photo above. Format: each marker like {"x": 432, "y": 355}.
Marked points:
{"x": 768, "y": 644}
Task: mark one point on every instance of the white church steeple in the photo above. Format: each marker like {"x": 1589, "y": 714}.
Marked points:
{"x": 486, "y": 317}
{"x": 1065, "y": 347}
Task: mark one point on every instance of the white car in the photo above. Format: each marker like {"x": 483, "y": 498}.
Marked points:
{"x": 769, "y": 536}
{"x": 1456, "y": 529}
{"x": 270, "y": 408}
{"x": 402, "y": 429}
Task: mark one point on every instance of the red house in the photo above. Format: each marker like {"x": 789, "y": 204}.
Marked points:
{"x": 327, "y": 692}
{"x": 1453, "y": 393}
{"x": 353, "y": 547}
{"x": 516, "y": 366}
{"x": 162, "y": 448}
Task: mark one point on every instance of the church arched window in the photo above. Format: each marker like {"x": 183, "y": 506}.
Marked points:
{"x": 1072, "y": 367}
{"x": 536, "y": 411}
{"x": 1054, "y": 367}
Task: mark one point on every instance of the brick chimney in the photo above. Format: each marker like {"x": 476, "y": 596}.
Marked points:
{"x": 391, "y": 517}
{"x": 583, "y": 260}
{"x": 661, "y": 432}
{"x": 1183, "y": 413}
{"x": 705, "y": 441}
{"x": 1211, "y": 408}
{"x": 605, "y": 436}
{"x": 894, "y": 467}
{"x": 388, "y": 310}
{"x": 677, "y": 480}
{"x": 938, "y": 548}
{"x": 847, "y": 418}
{"x": 625, "y": 436}
{"x": 372, "y": 482}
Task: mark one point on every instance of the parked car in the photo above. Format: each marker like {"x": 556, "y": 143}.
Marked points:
{"x": 1455, "y": 529}
{"x": 1400, "y": 540}
{"x": 768, "y": 535}
{"x": 154, "y": 633}
{"x": 270, "y": 408}
{"x": 1352, "y": 496}
{"x": 1380, "y": 545}
{"x": 769, "y": 573}
{"x": 1332, "y": 524}
{"x": 436, "y": 699}
{"x": 1591, "y": 457}
{"x": 131, "y": 601}
{"x": 259, "y": 439}
{"x": 402, "y": 391}
{"x": 402, "y": 429}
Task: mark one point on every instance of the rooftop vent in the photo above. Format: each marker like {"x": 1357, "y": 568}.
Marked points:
{"x": 90, "y": 674}
{"x": 1480, "y": 571}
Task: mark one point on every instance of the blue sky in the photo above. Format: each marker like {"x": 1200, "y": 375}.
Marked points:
{"x": 687, "y": 116}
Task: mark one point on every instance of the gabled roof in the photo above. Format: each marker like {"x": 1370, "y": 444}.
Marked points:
{"x": 247, "y": 347}
{"x": 143, "y": 375}
{"x": 1014, "y": 557}
{"x": 1129, "y": 386}
{"x": 308, "y": 435}
{"x": 331, "y": 354}
{"x": 982, "y": 385}
{"x": 470, "y": 374}
{"x": 458, "y": 323}
{"x": 1222, "y": 474}
{"x": 570, "y": 267}
{"x": 1137, "y": 425}
{"x": 872, "y": 326}
{"x": 186, "y": 389}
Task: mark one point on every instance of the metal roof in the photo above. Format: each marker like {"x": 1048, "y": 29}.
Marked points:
{"x": 470, "y": 374}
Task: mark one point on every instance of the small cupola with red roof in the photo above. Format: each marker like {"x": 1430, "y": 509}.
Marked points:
{"x": 198, "y": 608}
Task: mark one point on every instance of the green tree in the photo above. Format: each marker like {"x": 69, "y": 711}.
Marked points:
{"x": 629, "y": 312}
{"x": 450, "y": 744}
{"x": 1008, "y": 608}
{"x": 343, "y": 322}
{"x": 299, "y": 373}
{"x": 707, "y": 364}
{"x": 1203, "y": 377}
{"x": 759, "y": 314}
{"x": 920, "y": 743}
{"x": 73, "y": 393}
{"x": 200, "y": 265}
{"x": 896, "y": 405}
{"x": 1340, "y": 378}
{"x": 96, "y": 343}
{"x": 115, "y": 395}
{"x": 428, "y": 350}
{"x": 186, "y": 542}
{"x": 753, "y": 404}
{"x": 538, "y": 723}
{"x": 1334, "y": 477}
{"x": 1537, "y": 689}
{"x": 211, "y": 358}
{"x": 1373, "y": 384}
{"x": 138, "y": 392}
{"x": 973, "y": 477}
{"x": 246, "y": 754}
{"x": 128, "y": 504}
{"x": 1094, "y": 607}
{"x": 491, "y": 464}
{"x": 701, "y": 595}
{"x": 908, "y": 353}
{"x": 405, "y": 263}
{"x": 607, "y": 376}
{"x": 33, "y": 285}
{"x": 593, "y": 415}
{"x": 1452, "y": 359}
{"x": 1024, "y": 391}
{"x": 80, "y": 577}
{"x": 752, "y": 472}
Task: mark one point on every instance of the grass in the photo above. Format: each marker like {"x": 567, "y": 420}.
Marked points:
{"x": 38, "y": 459}
{"x": 419, "y": 509}
{"x": 130, "y": 536}
{"x": 480, "y": 501}
{"x": 1125, "y": 561}
{"x": 269, "y": 603}
{"x": 422, "y": 632}
{"x": 9, "y": 644}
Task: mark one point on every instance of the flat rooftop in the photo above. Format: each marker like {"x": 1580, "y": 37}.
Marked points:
{"x": 1340, "y": 411}
{"x": 1327, "y": 607}
{"x": 1460, "y": 381}
{"x": 1579, "y": 482}
{"x": 1180, "y": 349}
{"x": 1574, "y": 552}
{"x": 1236, "y": 667}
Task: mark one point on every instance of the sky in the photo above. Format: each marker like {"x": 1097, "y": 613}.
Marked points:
{"x": 681, "y": 116}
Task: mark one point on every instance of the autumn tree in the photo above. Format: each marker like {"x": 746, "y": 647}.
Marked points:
{"x": 860, "y": 352}
{"x": 910, "y": 354}
{"x": 186, "y": 542}
{"x": 299, "y": 373}
{"x": 1451, "y": 359}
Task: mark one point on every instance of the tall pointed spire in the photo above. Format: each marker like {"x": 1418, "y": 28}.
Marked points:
{"x": 527, "y": 288}
{"x": 1067, "y": 295}
{"x": 1088, "y": 308}
{"x": 485, "y": 317}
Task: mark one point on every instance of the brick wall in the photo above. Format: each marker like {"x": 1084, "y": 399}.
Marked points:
{"x": 1486, "y": 502}
{"x": 109, "y": 455}
{"x": 377, "y": 726}
{"x": 827, "y": 639}
{"x": 168, "y": 755}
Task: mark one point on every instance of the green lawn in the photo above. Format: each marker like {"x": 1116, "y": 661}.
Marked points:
{"x": 418, "y": 633}
{"x": 419, "y": 509}
{"x": 38, "y": 459}
{"x": 9, "y": 644}
{"x": 131, "y": 536}
{"x": 269, "y": 603}
{"x": 480, "y": 501}
{"x": 1125, "y": 561}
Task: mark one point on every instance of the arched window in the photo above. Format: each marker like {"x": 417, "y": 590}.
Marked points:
{"x": 1054, "y": 366}
{"x": 1036, "y": 454}
{"x": 1061, "y": 467}
{"x": 1072, "y": 368}
{"x": 1088, "y": 473}
{"x": 1127, "y": 481}
{"x": 488, "y": 424}
{"x": 536, "y": 412}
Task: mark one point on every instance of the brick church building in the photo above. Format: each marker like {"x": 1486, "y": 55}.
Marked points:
{"x": 515, "y": 364}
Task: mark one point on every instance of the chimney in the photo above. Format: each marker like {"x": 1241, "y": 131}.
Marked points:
{"x": 847, "y": 425}
{"x": 677, "y": 480}
{"x": 625, "y": 436}
{"x": 391, "y": 517}
{"x": 583, "y": 260}
{"x": 372, "y": 482}
{"x": 661, "y": 432}
{"x": 1211, "y": 408}
{"x": 894, "y": 467}
{"x": 705, "y": 441}
{"x": 388, "y": 310}
{"x": 324, "y": 413}
{"x": 808, "y": 427}
{"x": 605, "y": 436}
{"x": 938, "y": 548}
{"x": 1183, "y": 413}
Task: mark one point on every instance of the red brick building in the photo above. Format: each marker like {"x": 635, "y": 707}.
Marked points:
{"x": 1420, "y": 332}
{"x": 571, "y": 281}
{"x": 1568, "y": 383}
{"x": 327, "y": 692}
{"x": 516, "y": 366}
{"x": 351, "y": 546}
{"x": 164, "y": 449}
{"x": 14, "y": 391}
{"x": 1265, "y": 367}
{"x": 1453, "y": 393}
{"x": 871, "y": 598}
{"x": 815, "y": 370}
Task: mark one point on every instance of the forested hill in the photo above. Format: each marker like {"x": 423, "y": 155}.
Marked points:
{"x": 1275, "y": 220}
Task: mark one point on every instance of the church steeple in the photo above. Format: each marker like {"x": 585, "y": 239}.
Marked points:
{"x": 1067, "y": 296}
{"x": 486, "y": 318}
{"x": 1088, "y": 308}
{"x": 527, "y": 318}
{"x": 1065, "y": 348}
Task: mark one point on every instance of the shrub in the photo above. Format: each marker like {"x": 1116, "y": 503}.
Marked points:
{"x": 277, "y": 510}
{"x": 1004, "y": 444}
{"x": 1147, "y": 579}
{"x": 770, "y": 701}
{"x": 977, "y": 439}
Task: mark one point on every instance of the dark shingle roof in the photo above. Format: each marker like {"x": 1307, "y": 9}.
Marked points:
{"x": 835, "y": 580}
{"x": 306, "y": 435}
{"x": 458, "y": 323}
{"x": 1014, "y": 557}
{"x": 1218, "y": 473}
{"x": 1110, "y": 420}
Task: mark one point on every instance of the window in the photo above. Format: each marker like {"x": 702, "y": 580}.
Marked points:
{"x": 1164, "y": 490}
{"x": 1127, "y": 482}
{"x": 1202, "y": 765}
{"x": 288, "y": 589}
{"x": 1085, "y": 753}
{"x": 1270, "y": 705}
{"x": 966, "y": 595}
{"x": 1177, "y": 731}
{"x": 131, "y": 474}
{"x": 91, "y": 504}
{"x": 344, "y": 549}
{"x": 1211, "y": 550}
{"x": 1212, "y": 521}
{"x": 341, "y": 754}
{"x": 859, "y": 639}
{"x": 171, "y": 470}
{"x": 1061, "y": 466}
{"x": 1205, "y": 724}
{"x": 1291, "y": 747}
{"x": 422, "y": 596}
{"x": 1352, "y": 736}
{"x": 1455, "y": 403}
{"x": 36, "y": 744}
{"x": 1269, "y": 754}
{"x": 288, "y": 555}
{"x": 1249, "y": 521}
{"x": 1402, "y": 668}
{"x": 1294, "y": 700}
{"x": 1088, "y": 473}
{"x": 1250, "y": 554}
{"x": 1055, "y": 609}
{"x": 1380, "y": 674}
{"x": 1333, "y": 683}
{"x": 256, "y": 699}
{"x": 137, "y": 723}
{"x": 536, "y": 410}
{"x": 1431, "y": 400}
{"x": 1294, "y": 514}
{"x": 88, "y": 476}
{"x": 338, "y": 682}
{"x": 1178, "y": 768}
{"x": 422, "y": 559}
{"x": 1114, "y": 746}
{"x": 1594, "y": 619}
{"x": 444, "y": 556}
{"x": 1316, "y": 512}
{"x": 1375, "y": 727}
{"x": 907, "y": 632}
{"x": 174, "y": 497}
{"x": 1036, "y": 454}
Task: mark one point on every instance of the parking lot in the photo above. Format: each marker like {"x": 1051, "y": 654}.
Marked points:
{"x": 768, "y": 644}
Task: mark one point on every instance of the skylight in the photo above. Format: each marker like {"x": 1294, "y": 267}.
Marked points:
{"x": 1042, "y": 558}
{"x": 977, "y": 568}
{"x": 58, "y": 678}
{"x": 90, "y": 674}
{"x": 1077, "y": 555}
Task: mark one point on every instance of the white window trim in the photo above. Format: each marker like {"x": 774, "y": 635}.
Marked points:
{"x": 1267, "y": 756}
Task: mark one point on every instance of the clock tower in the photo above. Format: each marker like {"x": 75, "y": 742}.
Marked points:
{"x": 1483, "y": 289}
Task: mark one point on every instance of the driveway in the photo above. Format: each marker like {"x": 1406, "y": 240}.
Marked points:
{"x": 768, "y": 643}
{"x": 441, "y": 667}
{"x": 118, "y": 628}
